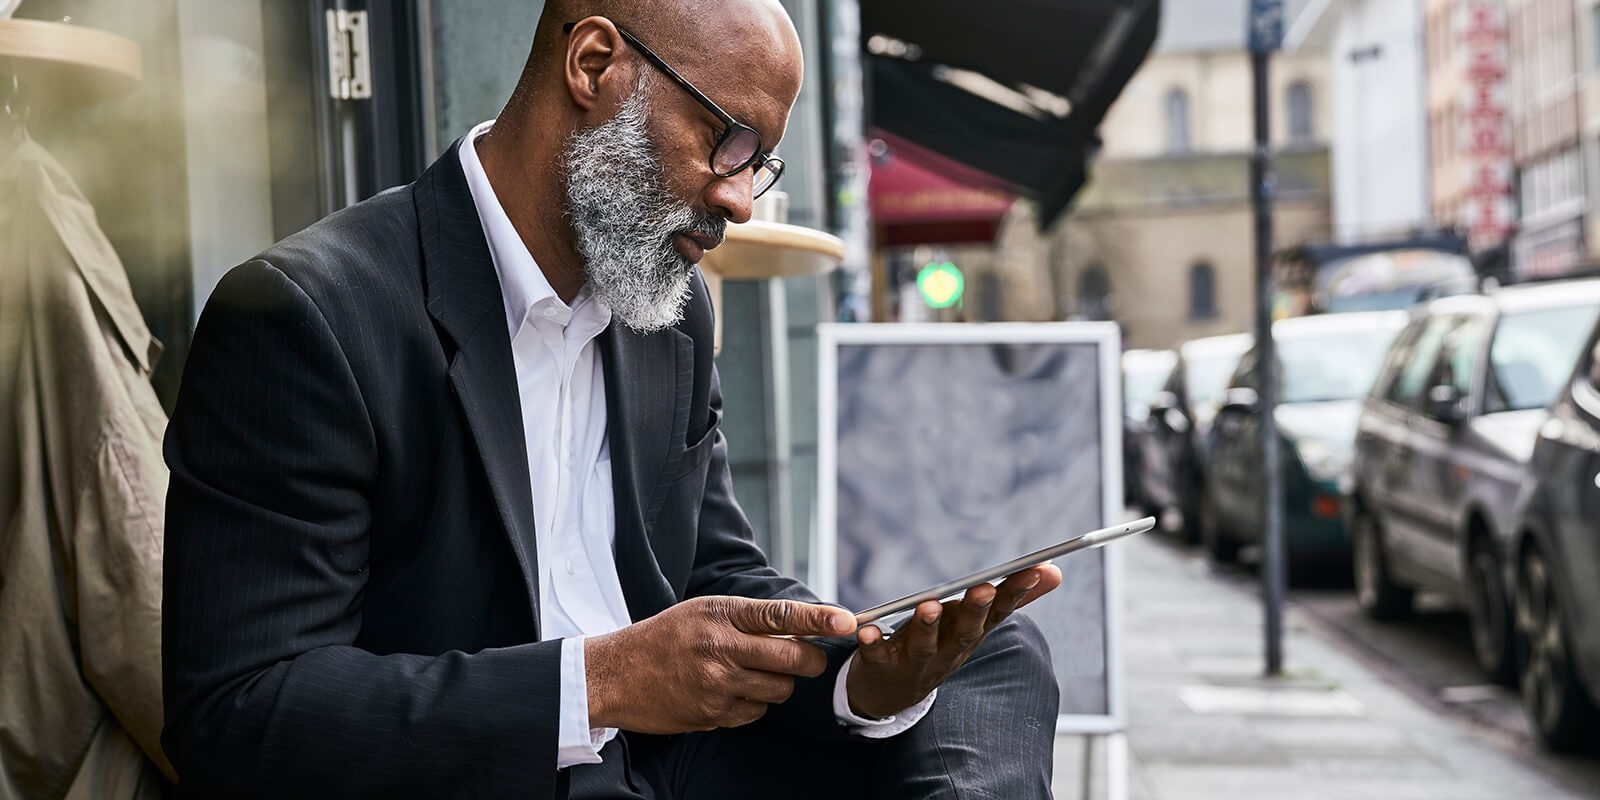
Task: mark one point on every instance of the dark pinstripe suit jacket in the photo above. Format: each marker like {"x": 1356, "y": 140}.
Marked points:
{"x": 351, "y": 599}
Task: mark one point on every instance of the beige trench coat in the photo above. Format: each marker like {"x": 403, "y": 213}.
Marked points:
{"x": 82, "y": 490}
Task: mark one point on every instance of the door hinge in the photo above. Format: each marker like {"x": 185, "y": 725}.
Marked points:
{"x": 349, "y": 62}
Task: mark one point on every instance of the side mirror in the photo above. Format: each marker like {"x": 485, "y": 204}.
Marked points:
{"x": 1240, "y": 400}
{"x": 1165, "y": 411}
{"x": 1444, "y": 404}
{"x": 1161, "y": 401}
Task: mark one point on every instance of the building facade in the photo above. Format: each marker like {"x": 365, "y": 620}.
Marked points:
{"x": 1378, "y": 123}
{"x": 1547, "y": 130}
{"x": 1162, "y": 239}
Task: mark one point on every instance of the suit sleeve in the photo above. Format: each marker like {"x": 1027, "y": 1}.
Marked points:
{"x": 273, "y": 459}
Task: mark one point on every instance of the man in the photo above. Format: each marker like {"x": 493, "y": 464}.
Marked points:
{"x": 450, "y": 511}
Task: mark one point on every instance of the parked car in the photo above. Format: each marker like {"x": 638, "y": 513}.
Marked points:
{"x": 1442, "y": 444}
{"x": 1144, "y": 372}
{"x": 1392, "y": 280}
{"x": 1327, "y": 364}
{"x": 1180, "y": 420}
{"x": 1556, "y": 566}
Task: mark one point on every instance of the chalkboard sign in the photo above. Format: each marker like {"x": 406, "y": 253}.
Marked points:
{"x": 946, "y": 448}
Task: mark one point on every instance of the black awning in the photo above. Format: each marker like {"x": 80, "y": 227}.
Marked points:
{"x": 1015, "y": 88}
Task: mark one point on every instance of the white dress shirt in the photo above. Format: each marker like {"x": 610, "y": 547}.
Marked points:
{"x": 562, "y": 390}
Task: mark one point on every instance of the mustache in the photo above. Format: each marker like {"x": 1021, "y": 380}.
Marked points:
{"x": 709, "y": 225}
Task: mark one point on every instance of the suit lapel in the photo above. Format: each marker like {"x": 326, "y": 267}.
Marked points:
{"x": 463, "y": 295}
{"x": 649, "y": 379}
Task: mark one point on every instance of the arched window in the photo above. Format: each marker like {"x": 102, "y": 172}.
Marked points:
{"x": 1301, "y": 127}
{"x": 1202, "y": 291}
{"x": 1178, "y": 140}
{"x": 1094, "y": 293}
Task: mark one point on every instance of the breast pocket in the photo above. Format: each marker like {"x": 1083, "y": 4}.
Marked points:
{"x": 696, "y": 454}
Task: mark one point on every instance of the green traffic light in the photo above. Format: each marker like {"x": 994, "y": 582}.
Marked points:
{"x": 941, "y": 284}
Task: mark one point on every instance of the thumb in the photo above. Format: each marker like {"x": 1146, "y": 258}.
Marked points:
{"x": 789, "y": 618}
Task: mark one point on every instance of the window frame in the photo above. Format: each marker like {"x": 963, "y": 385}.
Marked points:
{"x": 1306, "y": 113}
{"x": 1210, "y": 310}
{"x": 1446, "y": 324}
{"x": 1178, "y": 113}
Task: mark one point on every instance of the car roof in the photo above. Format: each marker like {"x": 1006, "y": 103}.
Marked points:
{"x": 1522, "y": 297}
{"x": 1323, "y": 324}
{"x": 1233, "y": 343}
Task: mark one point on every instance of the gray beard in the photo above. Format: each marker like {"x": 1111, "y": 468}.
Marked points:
{"x": 625, "y": 219}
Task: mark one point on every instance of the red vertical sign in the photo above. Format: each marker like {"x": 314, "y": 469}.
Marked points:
{"x": 1485, "y": 123}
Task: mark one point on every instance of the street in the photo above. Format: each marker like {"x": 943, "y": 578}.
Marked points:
{"x": 1430, "y": 658}
{"x": 1363, "y": 710}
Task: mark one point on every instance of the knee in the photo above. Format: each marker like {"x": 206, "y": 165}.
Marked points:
{"x": 1017, "y": 654}
{"x": 1019, "y": 638}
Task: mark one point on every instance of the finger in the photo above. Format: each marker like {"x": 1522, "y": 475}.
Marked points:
{"x": 742, "y": 712}
{"x": 1021, "y": 589}
{"x": 788, "y": 618}
{"x": 921, "y": 632}
{"x": 782, "y": 656}
{"x": 871, "y": 646}
{"x": 762, "y": 687}
{"x": 965, "y": 622}
{"x": 1049, "y": 580}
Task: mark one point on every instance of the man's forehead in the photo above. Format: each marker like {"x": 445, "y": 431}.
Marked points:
{"x": 754, "y": 77}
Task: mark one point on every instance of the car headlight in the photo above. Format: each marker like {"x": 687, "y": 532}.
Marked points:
{"x": 1322, "y": 462}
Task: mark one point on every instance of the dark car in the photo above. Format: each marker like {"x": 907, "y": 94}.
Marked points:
{"x": 1180, "y": 419}
{"x": 1327, "y": 364}
{"x": 1556, "y": 575}
{"x": 1442, "y": 444}
{"x": 1144, "y": 372}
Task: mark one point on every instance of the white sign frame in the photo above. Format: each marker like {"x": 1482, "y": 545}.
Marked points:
{"x": 1107, "y": 336}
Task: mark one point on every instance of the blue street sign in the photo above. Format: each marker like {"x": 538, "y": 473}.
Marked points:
{"x": 1266, "y": 25}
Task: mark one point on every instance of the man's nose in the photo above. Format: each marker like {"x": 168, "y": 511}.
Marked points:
{"x": 732, "y": 196}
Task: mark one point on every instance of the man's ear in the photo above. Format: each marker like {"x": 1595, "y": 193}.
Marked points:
{"x": 592, "y": 62}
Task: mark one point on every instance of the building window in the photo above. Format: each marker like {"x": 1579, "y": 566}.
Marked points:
{"x": 1300, "y": 123}
{"x": 1594, "y": 31}
{"x": 1178, "y": 140}
{"x": 1202, "y": 291}
{"x": 1094, "y": 294}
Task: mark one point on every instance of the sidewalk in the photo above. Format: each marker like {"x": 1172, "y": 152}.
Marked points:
{"x": 1204, "y": 725}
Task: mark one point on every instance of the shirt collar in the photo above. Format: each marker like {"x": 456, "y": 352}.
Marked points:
{"x": 522, "y": 282}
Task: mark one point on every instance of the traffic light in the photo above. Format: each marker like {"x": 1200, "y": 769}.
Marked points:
{"x": 941, "y": 284}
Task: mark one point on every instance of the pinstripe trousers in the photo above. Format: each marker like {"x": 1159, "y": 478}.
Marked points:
{"x": 989, "y": 735}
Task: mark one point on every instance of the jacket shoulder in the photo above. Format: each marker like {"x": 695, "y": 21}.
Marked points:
{"x": 369, "y": 248}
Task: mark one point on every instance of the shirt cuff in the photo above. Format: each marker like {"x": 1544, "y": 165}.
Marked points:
{"x": 576, "y": 742}
{"x": 869, "y": 727}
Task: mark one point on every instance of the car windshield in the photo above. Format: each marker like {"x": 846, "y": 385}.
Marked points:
{"x": 1140, "y": 384}
{"x": 1208, "y": 376}
{"x": 1332, "y": 365}
{"x": 1533, "y": 355}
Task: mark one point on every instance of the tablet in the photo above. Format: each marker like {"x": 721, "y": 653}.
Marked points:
{"x": 998, "y": 571}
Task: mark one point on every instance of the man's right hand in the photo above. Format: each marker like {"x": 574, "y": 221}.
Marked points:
{"x": 710, "y": 662}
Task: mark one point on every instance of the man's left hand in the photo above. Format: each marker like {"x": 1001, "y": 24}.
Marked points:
{"x": 890, "y": 675}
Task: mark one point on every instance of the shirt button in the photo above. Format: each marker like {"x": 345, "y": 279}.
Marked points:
{"x": 572, "y": 569}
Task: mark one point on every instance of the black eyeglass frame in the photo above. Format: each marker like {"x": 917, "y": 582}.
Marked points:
{"x": 773, "y": 164}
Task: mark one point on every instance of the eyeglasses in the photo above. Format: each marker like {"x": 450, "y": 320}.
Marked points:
{"x": 739, "y": 146}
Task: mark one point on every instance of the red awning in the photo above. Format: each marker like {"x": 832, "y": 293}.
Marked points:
{"x": 920, "y": 197}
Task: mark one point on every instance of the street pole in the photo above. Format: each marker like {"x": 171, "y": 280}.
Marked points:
{"x": 1266, "y": 33}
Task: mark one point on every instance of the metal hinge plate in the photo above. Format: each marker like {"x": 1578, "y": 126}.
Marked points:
{"x": 349, "y": 63}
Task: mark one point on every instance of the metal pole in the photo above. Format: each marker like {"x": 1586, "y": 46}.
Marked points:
{"x": 1272, "y": 560}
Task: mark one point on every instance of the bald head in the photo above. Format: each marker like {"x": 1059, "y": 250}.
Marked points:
{"x": 584, "y": 74}
{"x": 723, "y": 46}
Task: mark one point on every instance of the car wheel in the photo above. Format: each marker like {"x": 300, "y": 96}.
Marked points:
{"x": 1489, "y": 612}
{"x": 1224, "y": 549}
{"x": 1377, "y": 593}
{"x": 1558, "y": 707}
